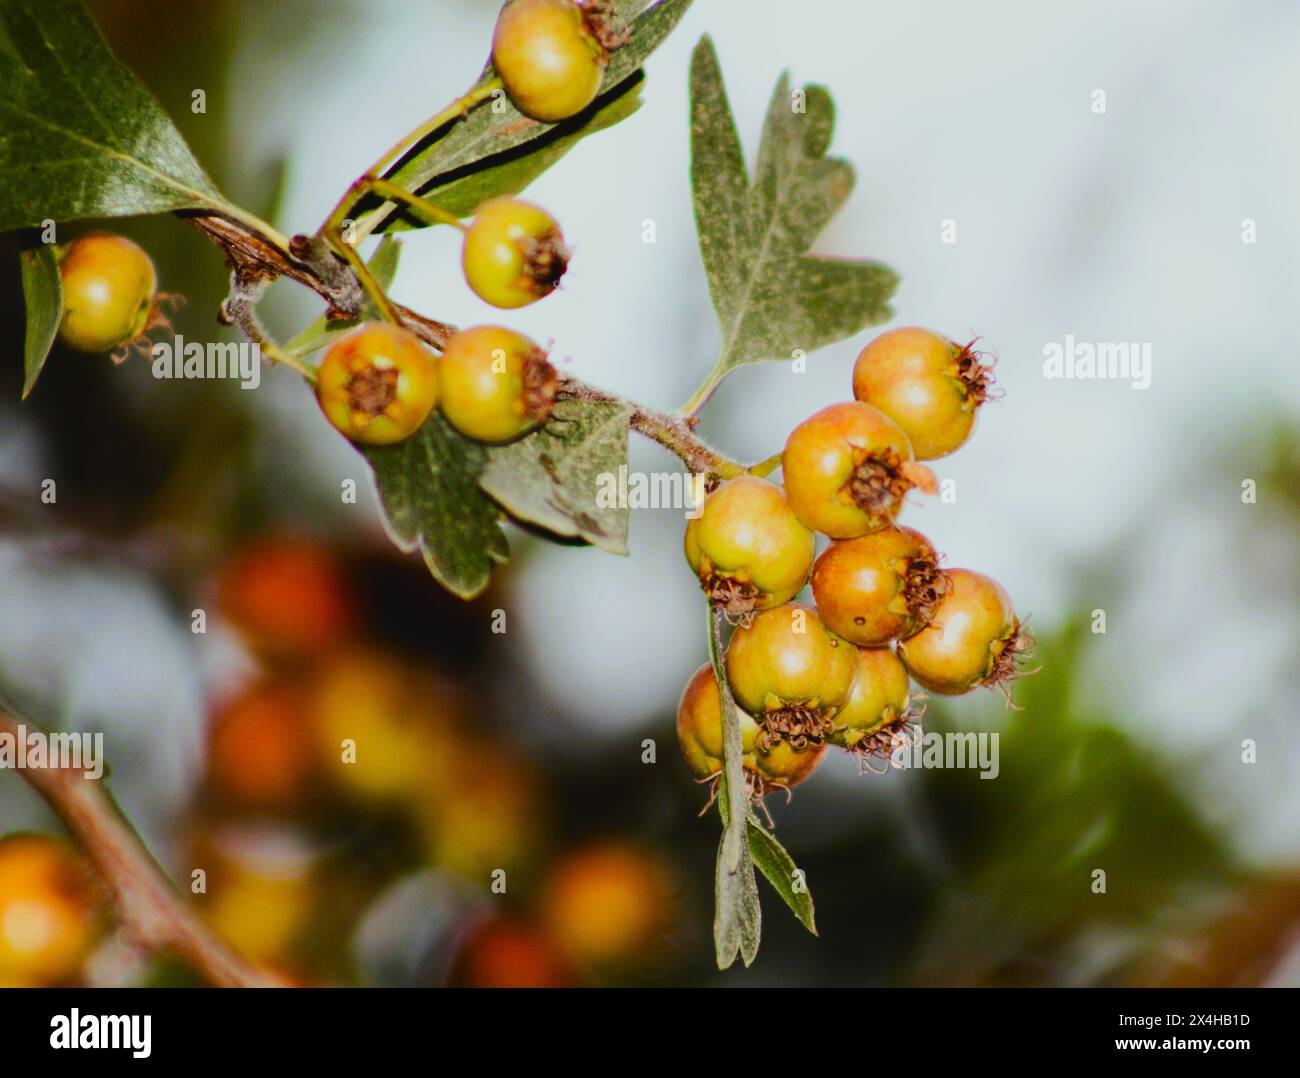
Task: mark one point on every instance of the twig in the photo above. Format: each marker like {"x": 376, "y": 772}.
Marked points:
{"x": 148, "y": 906}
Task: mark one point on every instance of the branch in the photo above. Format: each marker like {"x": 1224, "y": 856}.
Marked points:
{"x": 148, "y": 906}
{"x": 254, "y": 260}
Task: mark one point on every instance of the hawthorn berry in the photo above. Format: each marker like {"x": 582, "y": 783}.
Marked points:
{"x": 973, "y": 639}
{"x": 879, "y": 702}
{"x": 108, "y": 292}
{"x": 495, "y": 384}
{"x": 509, "y": 953}
{"x": 50, "y": 911}
{"x": 878, "y": 587}
{"x": 927, "y": 384}
{"x": 791, "y": 673}
{"x": 514, "y": 253}
{"x": 377, "y": 384}
{"x": 748, "y": 548}
{"x": 699, "y": 726}
{"x": 847, "y": 470}
{"x": 549, "y": 55}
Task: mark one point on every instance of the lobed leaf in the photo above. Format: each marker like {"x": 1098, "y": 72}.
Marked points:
{"x": 553, "y": 477}
{"x": 496, "y": 139}
{"x": 79, "y": 135}
{"x": 772, "y": 297}
{"x": 428, "y": 486}
{"x": 43, "y": 294}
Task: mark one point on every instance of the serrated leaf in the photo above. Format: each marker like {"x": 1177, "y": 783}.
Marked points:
{"x": 554, "y": 478}
{"x": 772, "y": 297}
{"x": 428, "y": 487}
{"x": 79, "y": 135}
{"x": 383, "y": 265}
{"x": 778, "y": 867}
{"x": 492, "y": 136}
{"x": 737, "y": 917}
{"x": 43, "y": 295}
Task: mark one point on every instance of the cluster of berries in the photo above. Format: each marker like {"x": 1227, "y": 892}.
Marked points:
{"x": 838, "y": 674}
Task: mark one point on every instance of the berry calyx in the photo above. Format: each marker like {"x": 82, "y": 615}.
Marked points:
{"x": 847, "y": 470}
{"x": 549, "y": 56}
{"x": 973, "y": 639}
{"x": 108, "y": 292}
{"x": 514, "y": 253}
{"x": 791, "y": 673}
{"x": 50, "y": 911}
{"x": 879, "y": 707}
{"x": 927, "y": 384}
{"x": 494, "y": 384}
{"x": 377, "y": 384}
{"x": 699, "y": 736}
{"x": 748, "y": 548}
{"x": 878, "y": 587}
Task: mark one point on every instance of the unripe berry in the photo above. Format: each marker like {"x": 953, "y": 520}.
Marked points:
{"x": 880, "y": 700}
{"x": 791, "y": 673}
{"x": 974, "y": 638}
{"x": 748, "y": 548}
{"x": 928, "y": 385}
{"x": 847, "y": 470}
{"x": 108, "y": 292}
{"x": 548, "y": 57}
{"x": 495, "y": 384}
{"x": 783, "y": 767}
{"x": 377, "y": 384}
{"x": 50, "y": 911}
{"x": 514, "y": 253}
{"x": 878, "y": 587}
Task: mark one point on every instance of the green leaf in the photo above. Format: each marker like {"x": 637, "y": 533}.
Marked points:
{"x": 43, "y": 292}
{"x": 738, "y": 917}
{"x": 383, "y": 264}
{"x": 554, "y": 477}
{"x": 510, "y": 173}
{"x": 79, "y": 135}
{"x": 771, "y": 297}
{"x": 494, "y": 137}
{"x": 428, "y": 486}
{"x": 779, "y": 869}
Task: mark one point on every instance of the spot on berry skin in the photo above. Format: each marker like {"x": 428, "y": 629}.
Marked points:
{"x": 371, "y": 390}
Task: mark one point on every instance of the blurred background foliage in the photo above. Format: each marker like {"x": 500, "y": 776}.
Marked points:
{"x": 226, "y": 746}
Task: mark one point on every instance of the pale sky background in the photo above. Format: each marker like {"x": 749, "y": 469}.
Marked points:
{"x": 1124, "y": 226}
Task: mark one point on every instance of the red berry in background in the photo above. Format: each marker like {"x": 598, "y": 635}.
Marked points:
{"x": 929, "y": 385}
{"x": 261, "y": 752}
{"x": 748, "y": 548}
{"x": 108, "y": 292}
{"x": 880, "y": 703}
{"x": 510, "y": 953}
{"x": 973, "y": 639}
{"x": 288, "y": 595}
{"x": 878, "y": 587}
{"x": 791, "y": 673}
{"x": 549, "y": 57}
{"x": 847, "y": 470}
